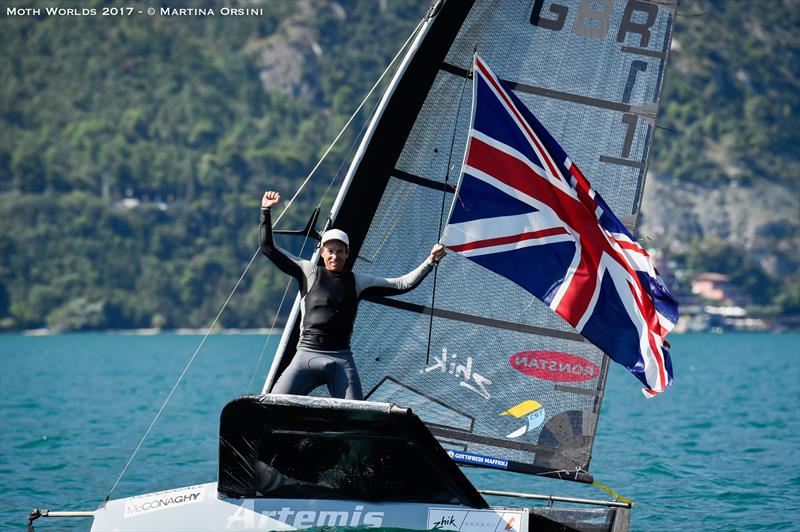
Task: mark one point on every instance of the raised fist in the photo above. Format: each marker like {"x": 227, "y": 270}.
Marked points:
{"x": 270, "y": 199}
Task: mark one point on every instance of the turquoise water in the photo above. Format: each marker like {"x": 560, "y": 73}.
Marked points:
{"x": 719, "y": 451}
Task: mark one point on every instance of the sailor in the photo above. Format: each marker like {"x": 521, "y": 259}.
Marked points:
{"x": 329, "y": 298}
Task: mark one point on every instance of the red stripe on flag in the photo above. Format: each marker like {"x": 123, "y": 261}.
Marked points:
{"x": 499, "y": 241}
{"x": 624, "y": 244}
{"x": 631, "y": 246}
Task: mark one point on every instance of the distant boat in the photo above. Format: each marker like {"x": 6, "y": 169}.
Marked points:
{"x": 468, "y": 369}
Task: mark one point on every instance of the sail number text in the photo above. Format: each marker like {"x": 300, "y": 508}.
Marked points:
{"x": 593, "y": 22}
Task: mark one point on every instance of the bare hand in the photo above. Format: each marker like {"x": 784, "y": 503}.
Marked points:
{"x": 270, "y": 199}
{"x": 437, "y": 252}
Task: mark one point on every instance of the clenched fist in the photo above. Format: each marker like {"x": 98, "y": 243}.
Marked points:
{"x": 270, "y": 199}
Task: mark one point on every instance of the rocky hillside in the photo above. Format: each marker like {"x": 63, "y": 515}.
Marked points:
{"x": 761, "y": 220}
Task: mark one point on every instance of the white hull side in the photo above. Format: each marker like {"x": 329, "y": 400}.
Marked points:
{"x": 200, "y": 508}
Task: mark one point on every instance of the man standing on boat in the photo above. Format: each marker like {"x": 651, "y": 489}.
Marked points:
{"x": 329, "y": 298}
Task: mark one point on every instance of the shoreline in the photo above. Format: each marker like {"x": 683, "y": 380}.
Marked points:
{"x": 183, "y": 331}
{"x": 188, "y": 331}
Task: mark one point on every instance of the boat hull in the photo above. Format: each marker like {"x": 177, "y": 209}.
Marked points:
{"x": 200, "y": 508}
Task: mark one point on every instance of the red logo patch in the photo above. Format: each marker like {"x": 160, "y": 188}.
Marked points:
{"x": 554, "y": 366}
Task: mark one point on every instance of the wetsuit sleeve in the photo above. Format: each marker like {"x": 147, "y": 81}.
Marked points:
{"x": 371, "y": 286}
{"x": 286, "y": 262}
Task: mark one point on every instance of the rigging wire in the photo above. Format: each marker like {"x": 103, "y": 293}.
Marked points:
{"x": 441, "y": 215}
{"x": 403, "y": 47}
{"x": 252, "y": 259}
{"x": 272, "y": 328}
{"x": 180, "y": 378}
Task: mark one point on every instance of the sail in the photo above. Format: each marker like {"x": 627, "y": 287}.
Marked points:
{"x": 499, "y": 379}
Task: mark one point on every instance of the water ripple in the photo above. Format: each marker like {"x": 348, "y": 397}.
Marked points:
{"x": 53, "y": 442}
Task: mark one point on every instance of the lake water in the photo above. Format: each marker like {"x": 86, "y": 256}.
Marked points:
{"x": 719, "y": 451}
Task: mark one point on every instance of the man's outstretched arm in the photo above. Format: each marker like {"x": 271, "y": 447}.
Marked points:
{"x": 372, "y": 286}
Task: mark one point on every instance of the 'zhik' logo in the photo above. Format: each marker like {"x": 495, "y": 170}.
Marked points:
{"x": 532, "y": 410}
{"x": 447, "y": 364}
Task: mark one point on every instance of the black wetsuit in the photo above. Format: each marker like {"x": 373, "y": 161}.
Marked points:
{"x": 328, "y": 306}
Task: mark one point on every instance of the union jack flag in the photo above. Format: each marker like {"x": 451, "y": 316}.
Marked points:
{"x": 524, "y": 210}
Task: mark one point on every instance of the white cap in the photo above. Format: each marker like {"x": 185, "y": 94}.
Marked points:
{"x": 335, "y": 234}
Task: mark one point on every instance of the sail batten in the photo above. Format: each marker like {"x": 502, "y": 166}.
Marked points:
{"x": 478, "y": 320}
{"x": 423, "y": 181}
{"x": 644, "y": 111}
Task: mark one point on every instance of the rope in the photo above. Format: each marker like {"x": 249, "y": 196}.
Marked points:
{"x": 252, "y": 259}
{"x": 441, "y": 216}
{"x": 608, "y": 490}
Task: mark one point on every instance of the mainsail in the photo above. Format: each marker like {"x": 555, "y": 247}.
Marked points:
{"x": 498, "y": 378}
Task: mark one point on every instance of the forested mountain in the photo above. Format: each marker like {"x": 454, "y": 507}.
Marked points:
{"x": 134, "y": 149}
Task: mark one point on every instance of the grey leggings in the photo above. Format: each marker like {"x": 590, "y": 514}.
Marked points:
{"x": 310, "y": 369}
